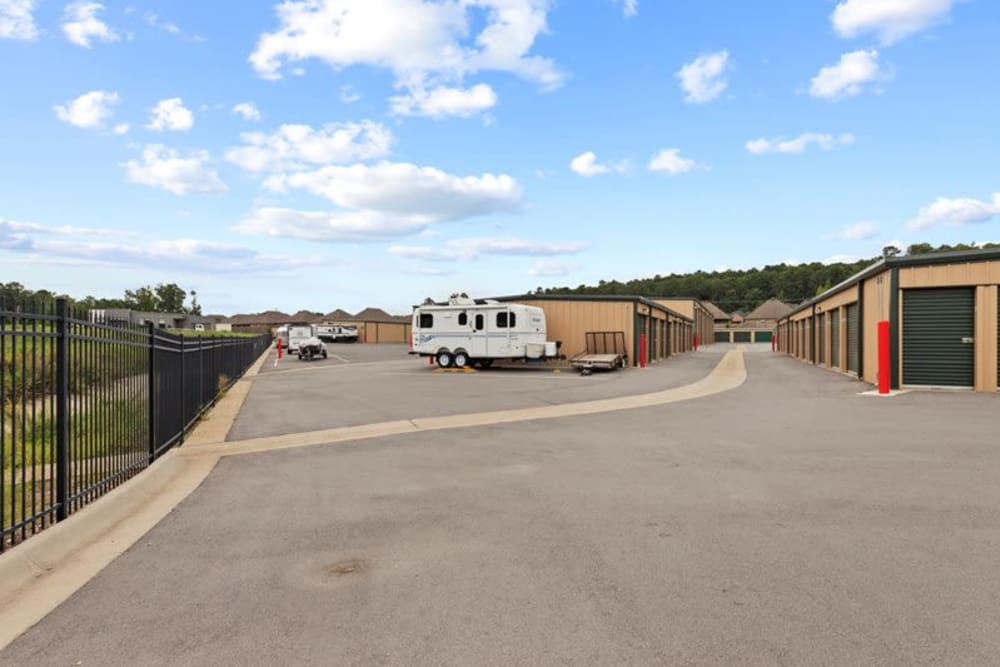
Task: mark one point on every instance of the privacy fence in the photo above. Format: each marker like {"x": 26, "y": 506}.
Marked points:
{"x": 88, "y": 404}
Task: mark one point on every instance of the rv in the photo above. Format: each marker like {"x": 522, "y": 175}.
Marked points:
{"x": 337, "y": 333}
{"x": 464, "y": 332}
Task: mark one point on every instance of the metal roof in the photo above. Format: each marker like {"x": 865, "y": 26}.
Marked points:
{"x": 594, "y": 297}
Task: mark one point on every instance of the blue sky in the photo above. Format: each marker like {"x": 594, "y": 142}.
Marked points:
{"x": 327, "y": 154}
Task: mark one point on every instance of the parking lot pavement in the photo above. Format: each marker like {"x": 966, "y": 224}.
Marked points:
{"x": 757, "y": 526}
{"x": 311, "y": 396}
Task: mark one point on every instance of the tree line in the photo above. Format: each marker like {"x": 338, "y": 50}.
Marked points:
{"x": 744, "y": 290}
{"x": 161, "y": 298}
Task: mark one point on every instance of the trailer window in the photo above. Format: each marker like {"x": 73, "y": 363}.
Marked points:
{"x": 426, "y": 321}
{"x": 463, "y": 319}
{"x": 506, "y": 320}
{"x": 479, "y": 322}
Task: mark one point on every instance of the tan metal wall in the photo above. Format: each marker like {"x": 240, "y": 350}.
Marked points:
{"x": 569, "y": 321}
{"x": 876, "y": 290}
{"x": 704, "y": 322}
{"x": 380, "y": 332}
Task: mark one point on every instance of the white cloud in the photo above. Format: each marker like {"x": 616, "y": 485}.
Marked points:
{"x": 892, "y": 20}
{"x": 849, "y": 76}
{"x": 469, "y": 249}
{"x": 381, "y": 201}
{"x": 958, "y": 211}
{"x": 586, "y": 164}
{"x": 349, "y": 94}
{"x": 166, "y": 168}
{"x": 861, "y": 231}
{"x": 172, "y": 115}
{"x": 552, "y": 269}
{"x": 843, "y": 259}
{"x": 629, "y": 7}
{"x": 296, "y": 146}
{"x": 248, "y": 111}
{"x": 425, "y": 43}
{"x": 17, "y": 20}
{"x": 120, "y": 128}
{"x": 444, "y": 101}
{"x": 703, "y": 79}
{"x": 90, "y": 110}
{"x": 670, "y": 161}
{"x": 799, "y": 144}
{"x": 81, "y": 25}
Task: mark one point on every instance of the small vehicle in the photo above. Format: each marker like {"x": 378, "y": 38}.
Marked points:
{"x": 311, "y": 348}
{"x": 297, "y": 333}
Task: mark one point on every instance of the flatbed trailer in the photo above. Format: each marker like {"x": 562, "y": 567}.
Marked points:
{"x": 605, "y": 351}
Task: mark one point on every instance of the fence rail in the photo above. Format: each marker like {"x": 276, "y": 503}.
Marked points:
{"x": 85, "y": 405}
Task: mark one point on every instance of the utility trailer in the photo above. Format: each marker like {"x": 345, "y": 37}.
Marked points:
{"x": 605, "y": 351}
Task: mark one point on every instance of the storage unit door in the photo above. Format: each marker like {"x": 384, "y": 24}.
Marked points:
{"x": 742, "y": 336}
{"x": 938, "y": 330}
{"x": 998, "y": 339}
{"x": 762, "y": 337}
{"x": 853, "y": 349}
{"x": 835, "y": 338}
{"x": 721, "y": 336}
{"x": 821, "y": 339}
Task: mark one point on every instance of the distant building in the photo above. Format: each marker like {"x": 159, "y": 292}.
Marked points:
{"x": 767, "y": 314}
{"x": 127, "y": 316}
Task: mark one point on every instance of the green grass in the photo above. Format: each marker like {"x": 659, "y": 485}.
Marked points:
{"x": 212, "y": 334}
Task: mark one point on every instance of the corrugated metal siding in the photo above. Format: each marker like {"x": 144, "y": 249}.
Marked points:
{"x": 821, "y": 338}
{"x": 569, "y": 321}
{"x": 835, "y": 339}
{"x": 852, "y": 338}
{"x": 741, "y": 336}
{"x": 721, "y": 336}
{"x": 935, "y": 321}
{"x": 762, "y": 337}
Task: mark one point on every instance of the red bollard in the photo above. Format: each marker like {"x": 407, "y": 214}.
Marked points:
{"x": 642, "y": 350}
{"x": 279, "y": 348}
{"x": 696, "y": 342}
{"x": 884, "y": 365}
{"x": 774, "y": 342}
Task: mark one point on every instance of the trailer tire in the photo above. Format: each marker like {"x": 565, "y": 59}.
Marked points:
{"x": 324, "y": 354}
{"x": 444, "y": 359}
{"x": 461, "y": 359}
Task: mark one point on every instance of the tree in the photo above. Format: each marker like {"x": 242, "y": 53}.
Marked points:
{"x": 195, "y": 308}
{"x": 144, "y": 299}
{"x": 170, "y": 298}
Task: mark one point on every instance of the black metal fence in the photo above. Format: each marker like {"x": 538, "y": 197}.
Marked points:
{"x": 84, "y": 405}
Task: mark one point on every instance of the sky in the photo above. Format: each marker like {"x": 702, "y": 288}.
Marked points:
{"x": 322, "y": 154}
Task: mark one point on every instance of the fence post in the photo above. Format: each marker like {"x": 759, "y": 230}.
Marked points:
{"x": 183, "y": 393}
{"x": 62, "y": 410}
{"x": 152, "y": 390}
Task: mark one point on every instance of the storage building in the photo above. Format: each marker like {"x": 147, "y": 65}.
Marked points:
{"x": 375, "y": 325}
{"x": 697, "y": 311}
{"x": 570, "y": 318}
{"x": 943, "y": 311}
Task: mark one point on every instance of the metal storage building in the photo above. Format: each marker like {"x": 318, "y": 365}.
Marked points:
{"x": 698, "y": 312}
{"x": 570, "y": 317}
{"x": 943, "y": 311}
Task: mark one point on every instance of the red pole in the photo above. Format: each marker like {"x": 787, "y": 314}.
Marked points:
{"x": 642, "y": 350}
{"x": 884, "y": 371}
{"x": 696, "y": 342}
{"x": 279, "y": 348}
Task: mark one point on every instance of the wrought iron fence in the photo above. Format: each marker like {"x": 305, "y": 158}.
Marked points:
{"x": 85, "y": 404}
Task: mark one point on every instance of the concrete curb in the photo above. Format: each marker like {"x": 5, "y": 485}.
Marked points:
{"x": 39, "y": 574}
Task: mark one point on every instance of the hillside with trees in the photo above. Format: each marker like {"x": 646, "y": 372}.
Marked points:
{"x": 163, "y": 298}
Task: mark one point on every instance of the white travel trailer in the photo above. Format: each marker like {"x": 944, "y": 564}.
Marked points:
{"x": 465, "y": 333}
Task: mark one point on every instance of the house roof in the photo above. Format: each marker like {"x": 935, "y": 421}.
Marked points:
{"x": 339, "y": 315}
{"x": 306, "y": 317}
{"x": 772, "y": 309}
{"x": 374, "y": 315}
{"x": 716, "y": 312}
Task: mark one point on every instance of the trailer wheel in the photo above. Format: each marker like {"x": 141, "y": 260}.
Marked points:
{"x": 444, "y": 359}
{"x": 324, "y": 354}
{"x": 461, "y": 360}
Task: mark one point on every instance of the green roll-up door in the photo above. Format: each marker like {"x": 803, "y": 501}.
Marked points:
{"x": 853, "y": 348}
{"x": 721, "y": 336}
{"x": 938, "y": 330}
{"x": 741, "y": 336}
{"x": 821, "y": 338}
{"x": 835, "y": 338}
{"x": 762, "y": 337}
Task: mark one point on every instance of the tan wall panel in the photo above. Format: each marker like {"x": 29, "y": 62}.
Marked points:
{"x": 986, "y": 338}
{"x": 837, "y": 300}
{"x": 842, "y": 352}
{"x": 876, "y": 309}
{"x": 682, "y": 306}
{"x": 950, "y": 275}
{"x": 569, "y": 321}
